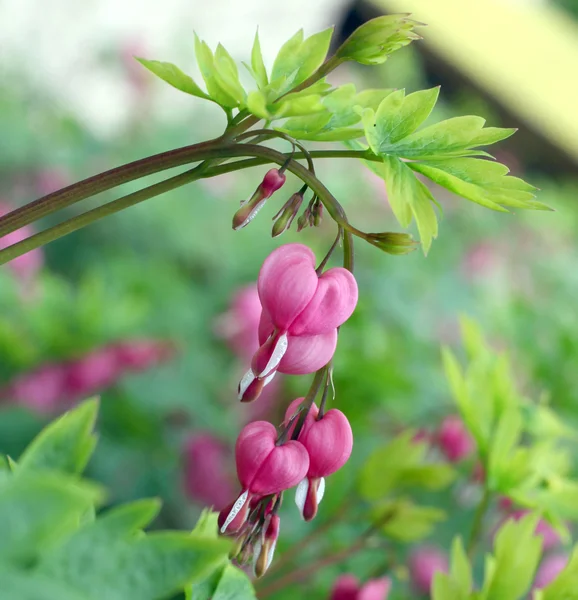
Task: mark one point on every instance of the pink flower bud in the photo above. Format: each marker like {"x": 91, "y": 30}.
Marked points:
{"x": 328, "y": 441}
{"x": 454, "y": 439}
{"x": 272, "y": 181}
{"x": 301, "y": 312}
{"x": 206, "y": 479}
{"x": 549, "y": 569}
{"x": 265, "y": 547}
{"x": 92, "y": 373}
{"x": 263, "y": 467}
{"x": 345, "y": 588}
{"x": 375, "y": 589}
{"x": 423, "y": 564}
{"x": 238, "y": 326}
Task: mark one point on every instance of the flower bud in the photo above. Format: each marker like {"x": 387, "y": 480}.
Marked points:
{"x": 265, "y": 546}
{"x": 272, "y": 181}
{"x": 392, "y": 243}
{"x": 454, "y": 439}
{"x": 285, "y": 216}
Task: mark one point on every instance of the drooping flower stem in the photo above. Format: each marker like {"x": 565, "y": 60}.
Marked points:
{"x": 132, "y": 171}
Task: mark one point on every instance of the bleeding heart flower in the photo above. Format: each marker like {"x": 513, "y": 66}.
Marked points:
{"x": 41, "y": 389}
{"x": 273, "y": 180}
{"x": 347, "y": 587}
{"x": 92, "y": 373}
{"x": 301, "y": 314}
{"x": 424, "y": 563}
{"x": 141, "y": 355}
{"x": 328, "y": 440}
{"x": 454, "y": 439}
{"x": 264, "y": 468}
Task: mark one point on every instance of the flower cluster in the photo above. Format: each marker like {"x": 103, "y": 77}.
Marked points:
{"x": 347, "y": 587}
{"x": 52, "y": 386}
{"x": 301, "y": 311}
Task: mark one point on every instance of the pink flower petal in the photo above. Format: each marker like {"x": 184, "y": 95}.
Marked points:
{"x": 287, "y": 283}
{"x": 308, "y": 354}
{"x": 424, "y": 563}
{"x": 284, "y": 468}
{"x": 375, "y": 589}
{"x": 549, "y": 569}
{"x": 345, "y": 588}
{"x": 333, "y": 303}
{"x": 253, "y": 446}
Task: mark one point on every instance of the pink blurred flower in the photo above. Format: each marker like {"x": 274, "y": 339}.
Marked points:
{"x": 141, "y": 355}
{"x": 549, "y": 569}
{"x": 41, "y": 389}
{"x": 25, "y": 267}
{"x": 239, "y": 325}
{"x": 301, "y": 313}
{"x": 454, "y": 439}
{"x": 206, "y": 478}
{"x": 263, "y": 468}
{"x": 423, "y": 564}
{"x": 92, "y": 373}
{"x": 51, "y": 180}
{"x": 347, "y": 587}
{"x": 480, "y": 260}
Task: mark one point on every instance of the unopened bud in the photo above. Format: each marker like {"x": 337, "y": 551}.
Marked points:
{"x": 392, "y": 243}
{"x": 273, "y": 180}
{"x": 265, "y": 547}
{"x": 285, "y": 216}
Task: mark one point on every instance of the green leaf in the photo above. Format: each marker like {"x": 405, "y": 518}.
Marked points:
{"x": 452, "y": 138}
{"x": 228, "y": 583}
{"x": 206, "y": 62}
{"x": 375, "y": 40}
{"x": 397, "y": 117}
{"x": 227, "y": 75}
{"x": 409, "y": 198}
{"x": 257, "y": 64}
{"x": 27, "y": 585}
{"x": 144, "y": 567}
{"x": 565, "y": 586}
{"x": 481, "y": 181}
{"x": 207, "y": 524}
{"x": 405, "y": 521}
{"x": 298, "y": 59}
{"x": 516, "y": 555}
{"x": 36, "y": 509}
{"x": 257, "y": 104}
{"x": 460, "y": 568}
{"x": 173, "y": 76}
{"x": 64, "y": 445}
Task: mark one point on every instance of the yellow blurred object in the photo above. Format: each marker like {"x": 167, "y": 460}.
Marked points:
{"x": 524, "y": 55}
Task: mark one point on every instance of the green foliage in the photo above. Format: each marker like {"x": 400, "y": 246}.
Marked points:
{"x": 457, "y": 584}
{"x": 174, "y": 76}
{"x": 565, "y": 586}
{"x": 403, "y": 520}
{"x": 52, "y": 546}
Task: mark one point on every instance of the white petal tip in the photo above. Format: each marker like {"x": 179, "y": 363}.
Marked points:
{"x": 245, "y": 382}
{"x": 301, "y": 495}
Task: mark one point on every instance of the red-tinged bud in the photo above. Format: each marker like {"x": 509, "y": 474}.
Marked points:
{"x": 250, "y": 387}
{"x": 272, "y": 181}
{"x": 264, "y": 549}
{"x": 328, "y": 441}
{"x": 263, "y": 467}
{"x": 285, "y": 216}
{"x": 454, "y": 439}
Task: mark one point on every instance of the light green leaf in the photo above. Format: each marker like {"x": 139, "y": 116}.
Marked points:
{"x": 257, "y": 105}
{"x": 37, "y": 508}
{"x": 173, "y": 76}
{"x": 481, "y": 181}
{"x": 565, "y": 586}
{"x": 397, "y": 117}
{"x": 517, "y": 553}
{"x": 409, "y": 197}
{"x": 64, "y": 445}
{"x": 285, "y": 63}
{"x": 227, "y": 75}
{"x": 257, "y": 64}
{"x": 455, "y": 137}
{"x": 376, "y": 39}
{"x": 206, "y": 62}
{"x": 405, "y": 521}
{"x": 228, "y": 583}
{"x": 207, "y": 524}
{"x": 460, "y": 568}
{"x": 502, "y": 474}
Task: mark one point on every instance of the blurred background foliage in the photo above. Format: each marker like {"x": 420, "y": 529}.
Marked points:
{"x": 166, "y": 270}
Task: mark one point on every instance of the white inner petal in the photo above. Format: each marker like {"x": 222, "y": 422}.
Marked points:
{"x": 252, "y": 215}
{"x": 245, "y": 382}
{"x": 256, "y": 553}
{"x": 271, "y": 553}
{"x": 320, "y": 490}
{"x": 240, "y": 502}
{"x": 269, "y": 378}
{"x": 301, "y": 494}
{"x": 277, "y": 355}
